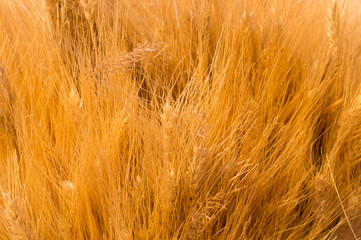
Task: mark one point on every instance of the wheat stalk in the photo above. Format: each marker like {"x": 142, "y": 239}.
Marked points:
{"x": 333, "y": 30}
{"x": 12, "y": 212}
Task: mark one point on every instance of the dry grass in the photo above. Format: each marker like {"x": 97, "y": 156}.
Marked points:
{"x": 180, "y": 119}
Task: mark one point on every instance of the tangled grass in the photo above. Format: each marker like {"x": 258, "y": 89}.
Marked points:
{"x": 180, "y": 119}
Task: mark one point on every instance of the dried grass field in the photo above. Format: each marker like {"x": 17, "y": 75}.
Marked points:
{"x": 180, "y": 119}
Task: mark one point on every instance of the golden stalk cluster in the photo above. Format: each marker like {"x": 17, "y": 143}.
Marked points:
{"x": 180, "y": 119}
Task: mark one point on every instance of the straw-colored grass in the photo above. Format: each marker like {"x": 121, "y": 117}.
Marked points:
{"x": 180, "y": 119}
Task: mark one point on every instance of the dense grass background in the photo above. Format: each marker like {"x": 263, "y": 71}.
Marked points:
{"x": 180, "y": 119}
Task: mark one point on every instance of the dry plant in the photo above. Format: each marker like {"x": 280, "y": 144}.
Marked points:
{"x": 180, "y": 119}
